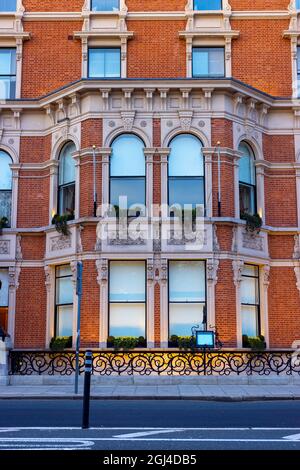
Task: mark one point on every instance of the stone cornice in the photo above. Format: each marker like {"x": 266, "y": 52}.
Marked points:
{"x": 278, "y": 166}
{"x": 103, "y": 34}
{"x": 205, "y": 32}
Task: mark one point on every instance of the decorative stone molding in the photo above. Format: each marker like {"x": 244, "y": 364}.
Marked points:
{"x": 163, "y": 271}
{"x": 128, "y": 120}
{"x": 4, "y": 247}
{"x": 60, "y": 242}
{"x": 296, "y": 254}
{"x": 237, "y": 266}
{"x": 266, "y": 275}
{"x": 216, "y": 245}
{"x": 19, "y": 255}
{"x": 13, "y": 277}
{"x": 252, "y": 241}
{"x": 185, "y": 118}
{"x": 212, "y": 266}
{"x": 150, "y": 270}
{"x": 102, "y": 270}
{"x": 47, "y": 270}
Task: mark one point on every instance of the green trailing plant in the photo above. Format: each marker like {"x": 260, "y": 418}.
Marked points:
{"x": 256, "y": 343}
{"x": 183, "y": 342}
{"x": 126, "y": 342}
{"x": 253, "y": 222}
{"x": 61, "y": 223}
{"x": 3, "y": 223}
{"x": 59, "y": 343}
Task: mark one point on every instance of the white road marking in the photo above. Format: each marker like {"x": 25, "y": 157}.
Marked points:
{"x": 293, "y": 437}
{"x": 59, "y": 440}
{"x": 104, "y": 428}
{"x": 149, "y": 433}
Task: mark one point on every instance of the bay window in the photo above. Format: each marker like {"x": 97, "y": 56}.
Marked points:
{"x": 208, "y": 62}
{"x": 247, "y": 180}
{"x": 207, "y": 4}
{"x": 7, "y": 73}
{"x": 63, "y": 301}
{"x": 250, "y": 300}
{"x": 128, "y": 174}
{"x": 105, "y": 5}
{"x": 5, "y": 187}
{"x": 4, "y": 298}
{"x": 186, "y": 171}
{"x": 127, "y": 298}
{"x": 8, "y": 5}
{"x": 66, "y": 180}
{"x": 104, "y": 62}
{"x": 187, "y": 296}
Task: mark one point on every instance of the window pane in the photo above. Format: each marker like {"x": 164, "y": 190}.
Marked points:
{"x": 64, "y": 320}
{"x": 4, "y": 288}
{"x": 5, "y": 205}
{"x": 207, "y": 4}
{"x": 246, "y": 165}
{"x": 67, "y": 164}
{"x": 133, "y": 188}
{"x": 208, "y": 62}
{"x": 105, "y": 5}
{"x": 186, "y": 281}
{"x": 104, "y": 63}
{"x": 186, "y": 191}
{"x": 64, "y": 270}
{"x": 67, "y": 199}
{"x": 182, "y": 317}
{"x": 247, "y": 199}
{"x": 127, "y": 281}
{"x": 127, "y": 320}
{"x": 5, "y": 171}
{"x": 250, "y": 270}
{"x": 298, "y": 4}
{"x": 200, "y": 63}
{"x": 127, "y": 157}
{"x": 64, "y": 291}
{"x": 249, "y": 320}
{"x": 186, "y": 157}
{"x": 7, "y": 88}
{"x": 7, "y": 61}
{"x": 249, "y": 291}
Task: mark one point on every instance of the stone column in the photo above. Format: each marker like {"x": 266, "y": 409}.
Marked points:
{"x": 260, "y": 188}
{"x": 164, "y": 307}
{"x": 150, "y": 303}
{"x": 50, "y": 302}
{"x": 14, "y": 199}
{"x": 102, "y": 279}
{"x": 208, "y": 156}
{"x": 212, "y": 266}
{"x": 149, "y": 154}
{"x": 237, "y": 266}
{"x": 73, "y": 266}
{"x": 264, "y": 286}
{"x": 13, "y": 273}
{"x": 106, "y": 153}
{"x": 53, "y": 189}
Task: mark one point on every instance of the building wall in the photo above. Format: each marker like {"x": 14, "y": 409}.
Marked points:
{"x": 156, "y": 102}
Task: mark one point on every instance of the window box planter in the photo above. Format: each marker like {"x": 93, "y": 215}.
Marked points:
{"x": 61, "y": 223}
{"x": 60, "y": 343}
{"x": 256, "y": 343}
{"x": 126, "y": 342}
{"x": 253, "y": 222}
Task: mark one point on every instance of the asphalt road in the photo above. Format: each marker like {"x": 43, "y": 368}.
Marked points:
{"x": 150, "y": 425}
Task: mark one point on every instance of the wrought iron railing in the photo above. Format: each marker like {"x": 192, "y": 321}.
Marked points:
{"x": 170, "y": 363}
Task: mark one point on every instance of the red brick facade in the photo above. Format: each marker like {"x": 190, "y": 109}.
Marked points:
{"x": 156, "y": 100}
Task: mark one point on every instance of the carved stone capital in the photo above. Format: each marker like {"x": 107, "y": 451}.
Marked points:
{"x": 237, "y": 267}
{"x": 102, "y": 270}
{"x": 212, "y": 266}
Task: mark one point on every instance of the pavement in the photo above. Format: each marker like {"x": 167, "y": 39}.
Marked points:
{"x": 203, "y": 391}
{"x": 149, "y": 425}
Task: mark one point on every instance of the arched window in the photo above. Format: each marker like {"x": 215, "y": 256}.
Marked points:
{"x": 186, "y": 171}
{"x": 66, "y": 180}
{"x": 128, "y": 173}
{"x": 247, "y": 180}
{"x": 5, "y": 187}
